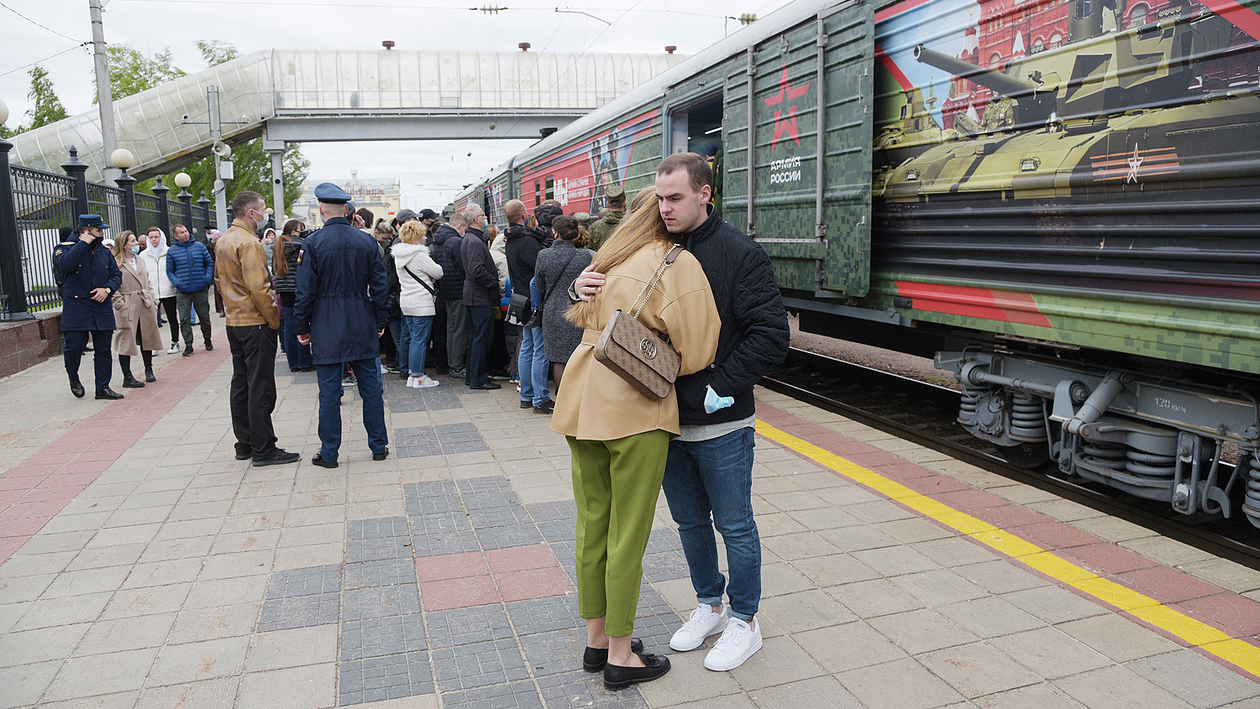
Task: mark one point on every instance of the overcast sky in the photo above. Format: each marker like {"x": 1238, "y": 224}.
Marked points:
{"x": 431, "y": 172}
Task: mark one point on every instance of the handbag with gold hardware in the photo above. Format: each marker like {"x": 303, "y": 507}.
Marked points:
{"x": 646, "y": 361}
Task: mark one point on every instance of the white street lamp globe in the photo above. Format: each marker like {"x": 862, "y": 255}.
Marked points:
{"x": 123, "y": 159}
{"x": 4, "y": 112}
{"x": 182, "y": 180}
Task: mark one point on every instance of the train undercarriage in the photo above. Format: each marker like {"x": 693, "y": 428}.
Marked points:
{"x": 1152, "y": 436}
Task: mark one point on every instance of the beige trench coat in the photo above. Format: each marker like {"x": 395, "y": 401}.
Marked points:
{"x": 135, "y": 306}
{"x": 596, "y": 404}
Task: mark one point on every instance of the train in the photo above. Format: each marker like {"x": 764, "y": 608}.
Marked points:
{"x": 1058, "y": 200}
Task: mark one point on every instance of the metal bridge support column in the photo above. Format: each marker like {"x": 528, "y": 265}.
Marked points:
{"x": 275, "y": 148}
{"x": 10, "y": 245}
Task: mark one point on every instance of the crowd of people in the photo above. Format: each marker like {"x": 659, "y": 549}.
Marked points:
{"x": 527, "y": 304}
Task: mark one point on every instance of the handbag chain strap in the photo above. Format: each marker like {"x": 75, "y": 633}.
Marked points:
{"x": 656, "y": 277}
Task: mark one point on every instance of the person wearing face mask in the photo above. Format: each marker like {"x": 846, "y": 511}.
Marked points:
{"x": 154, "y": 256}
{"x": 135, "y": 311}
{"x": 241, "y": 277}
{"x": 89, "y": 277}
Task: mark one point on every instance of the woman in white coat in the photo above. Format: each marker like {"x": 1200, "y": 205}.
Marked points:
{"x": 417, "y": 272}
{"x": 154, "y": 256}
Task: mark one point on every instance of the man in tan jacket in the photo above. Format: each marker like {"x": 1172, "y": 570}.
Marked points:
{"x": 241, "y": 277}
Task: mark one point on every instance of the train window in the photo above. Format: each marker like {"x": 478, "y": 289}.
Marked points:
{"x": 537, "y": 193}
{"x": 551, "y": 188}
{"x": 697, "y": 127}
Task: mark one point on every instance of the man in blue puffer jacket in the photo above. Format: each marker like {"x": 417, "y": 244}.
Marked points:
{"x": 190, "y": 269}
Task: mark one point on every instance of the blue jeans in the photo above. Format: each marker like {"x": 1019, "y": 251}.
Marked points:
{"x": 297, "y": 354}
{"x": 532, "y": 367}
{"x": 416, "y": 330}
{"x": 709, "y": 484}
{"x": 368, "y": 374}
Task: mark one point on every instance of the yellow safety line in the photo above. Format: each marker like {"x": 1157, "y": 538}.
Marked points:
{"x": 1194, "y": 632}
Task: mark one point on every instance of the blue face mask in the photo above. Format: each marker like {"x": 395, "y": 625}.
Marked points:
{"x": 135, "y": 249}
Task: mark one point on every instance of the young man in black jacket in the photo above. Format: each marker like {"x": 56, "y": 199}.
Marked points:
{"x": 710, "y": 465}
{"x": 445, "y": 250}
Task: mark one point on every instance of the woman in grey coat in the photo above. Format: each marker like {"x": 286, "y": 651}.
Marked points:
{"x": 555, "y": 269}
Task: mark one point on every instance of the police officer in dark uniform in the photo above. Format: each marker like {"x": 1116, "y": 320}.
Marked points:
{"x": 90, "y": 276}
{"x": 341, "y": 309}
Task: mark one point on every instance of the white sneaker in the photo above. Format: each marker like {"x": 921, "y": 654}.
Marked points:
{"x": 427, "y": 382}
{"x": 703, "y": 623}
{"x": 412, "y": 383}
{"x": 174, "y": 348}
{"x": 737, "y": 644}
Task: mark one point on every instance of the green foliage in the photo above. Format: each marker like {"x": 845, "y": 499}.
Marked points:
{"x": 131, "y": 72}
{"x": 46, "y": 107}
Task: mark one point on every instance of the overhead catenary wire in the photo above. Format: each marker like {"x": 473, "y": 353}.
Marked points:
{"x": 40, "y": 61}
{"x": 41, "y": 26}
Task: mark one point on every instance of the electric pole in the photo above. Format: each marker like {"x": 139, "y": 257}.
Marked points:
{"x": 104, "y": 97}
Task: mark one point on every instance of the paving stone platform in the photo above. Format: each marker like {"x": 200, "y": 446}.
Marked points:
{"x": 144, "y": 567}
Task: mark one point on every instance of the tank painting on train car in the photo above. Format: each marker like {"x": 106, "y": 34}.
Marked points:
{"x": 1064, "y": 99}
{"x": 579, "y": 175}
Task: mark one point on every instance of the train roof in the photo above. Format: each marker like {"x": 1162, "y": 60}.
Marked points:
{"x": 485, "y": 179}
{"x": 776, "y": 23}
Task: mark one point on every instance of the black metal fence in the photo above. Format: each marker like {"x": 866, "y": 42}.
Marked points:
{"x": 35, "y": 205}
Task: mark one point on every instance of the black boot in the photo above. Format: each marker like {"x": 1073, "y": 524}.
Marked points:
{"x": 148, "y": 375}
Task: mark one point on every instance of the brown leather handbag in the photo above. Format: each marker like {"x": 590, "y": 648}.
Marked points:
{"x": 645, "y": 360}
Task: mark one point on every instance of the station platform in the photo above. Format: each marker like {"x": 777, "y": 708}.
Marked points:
{"x": 144, "y": 567}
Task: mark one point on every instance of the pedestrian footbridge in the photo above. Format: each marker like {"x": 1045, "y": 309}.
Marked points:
{"x": 328, "y": 95}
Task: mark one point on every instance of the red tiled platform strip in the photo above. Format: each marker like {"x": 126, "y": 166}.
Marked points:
{"x": 1233, "y": 614}
{"x": 35, "y": 490}
{"x": 480, "y": 578}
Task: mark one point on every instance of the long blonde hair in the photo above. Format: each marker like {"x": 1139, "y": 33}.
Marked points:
{"x": 641, "y": 226}
{"x": 119, "y": 249}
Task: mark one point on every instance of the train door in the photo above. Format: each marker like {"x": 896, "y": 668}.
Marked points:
{"x": 810, "y": 198}
{"x": 694, "y": 125}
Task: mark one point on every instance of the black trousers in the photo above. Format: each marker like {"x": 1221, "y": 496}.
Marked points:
{"x": 481, "y": 329}
{"x": 102, "y": 357}
{"x": 172, "y": 315}
{"x": 253, "y": 392}
{"x": 438, "y": 340}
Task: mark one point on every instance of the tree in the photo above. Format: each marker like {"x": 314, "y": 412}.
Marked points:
{"x": 130, "y": 72}
{"x": 45, "y": 108}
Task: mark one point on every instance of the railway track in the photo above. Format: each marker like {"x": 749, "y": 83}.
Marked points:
{"x": 925, "y": 413}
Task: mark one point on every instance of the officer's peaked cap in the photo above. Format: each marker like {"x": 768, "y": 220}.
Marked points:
{"x": 92, "y": 220}
{"x": 328, "y": 193}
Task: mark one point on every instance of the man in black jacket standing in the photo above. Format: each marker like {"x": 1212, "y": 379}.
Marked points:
{"x": 523, "y": 244}
{"x": 446, "y": 247}
{"x": 708, "y": 475}
{"x": 480, "y": 296}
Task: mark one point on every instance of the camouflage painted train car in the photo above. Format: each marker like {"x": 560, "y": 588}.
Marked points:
{"x": 1058, "y": 199}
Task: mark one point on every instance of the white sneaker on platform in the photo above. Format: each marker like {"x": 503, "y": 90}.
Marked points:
{"x": 703, "y": 623}
{"x": 412, "y": 383}
{"x": 737, "y": 644}
{"x": 427, "y": 382}
{"x": 174, "y": 348}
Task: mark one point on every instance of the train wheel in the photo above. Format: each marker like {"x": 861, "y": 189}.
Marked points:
{"x": 1030, "y": 456}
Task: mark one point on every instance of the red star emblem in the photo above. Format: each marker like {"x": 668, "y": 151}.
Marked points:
{"x": 788, "y": 125}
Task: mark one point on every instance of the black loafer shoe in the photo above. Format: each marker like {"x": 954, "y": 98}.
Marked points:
{"x": 323, "y": 463}
{"x": 488, "y": 386}
{"x": 617, "y": 677}
{"x": 108, "y": 393}
{"x": 76, "y": 388}
{"x": 132, "y": 383}
{"x": 594, "y": 659}
{"x": 381, "y": 456}
{"x": 278, "y": 456}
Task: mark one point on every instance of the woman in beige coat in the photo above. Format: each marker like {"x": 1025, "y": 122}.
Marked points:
{"x": 135, "y": 311}
{"x": 619, "y": 438}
